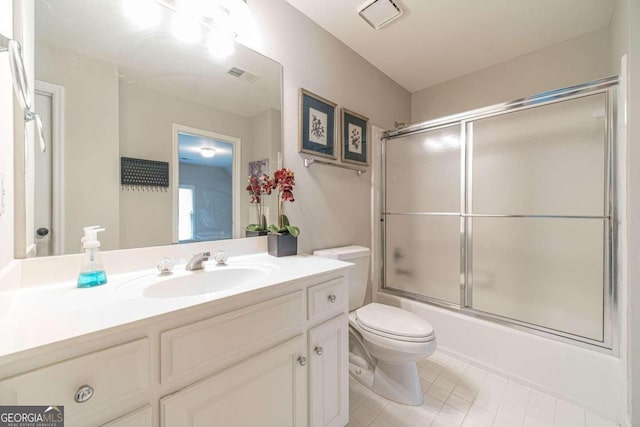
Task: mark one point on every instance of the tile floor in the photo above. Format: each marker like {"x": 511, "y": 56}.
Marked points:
{"x": 459, "y": 394}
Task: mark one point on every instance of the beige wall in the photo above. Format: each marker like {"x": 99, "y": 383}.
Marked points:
{"x": 91, "y": 180}
{"x": 267, "y": 142}
{"x": 572, "y": 62}
{"x": 6, "y": 141}
{"x": 333, "y": 206}
{"x": 626, "y": 24}
{"x": 146, "y": 120}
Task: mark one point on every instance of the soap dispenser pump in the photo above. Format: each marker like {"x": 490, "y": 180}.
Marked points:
{"x": 92, "y": 270}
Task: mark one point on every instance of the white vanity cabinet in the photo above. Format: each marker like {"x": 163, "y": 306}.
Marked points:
{"x": 328, "y": 345}
{"x": 273, "y": 357}
{"x": 140, "y": 418}
{"x": 329, "y": 373}
{"x": 93, "y": 388}
{"x": 266, "y": 390}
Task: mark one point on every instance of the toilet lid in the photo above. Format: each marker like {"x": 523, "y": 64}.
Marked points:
{"x": 393, "y": 321}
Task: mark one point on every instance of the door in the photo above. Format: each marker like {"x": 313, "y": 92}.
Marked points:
{"x": 268, "y": 390}
{"x": 329, "y": 373}
{"x": 43, "y": 172}
{"x": 48, "y": 177}
{"x": 209, "y": 164}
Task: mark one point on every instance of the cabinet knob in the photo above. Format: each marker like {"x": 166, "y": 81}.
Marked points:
{"x": 302, "y": 360}
{"x": 332, "y": 298}
{"x": 84, "y": 393}
{"x": 319, "y": 350}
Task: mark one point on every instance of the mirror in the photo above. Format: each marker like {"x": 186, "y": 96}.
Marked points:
{"x": 110, "y": 88}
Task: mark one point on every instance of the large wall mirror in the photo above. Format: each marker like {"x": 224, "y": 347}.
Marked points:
{"x": 111, "y": 84}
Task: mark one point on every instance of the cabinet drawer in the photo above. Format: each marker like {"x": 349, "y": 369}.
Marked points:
{"x": 327, "y": 299}
{"x": 118, "y": 376}
{"x": 222, "y": 340}
{"x": 139, "y": 418}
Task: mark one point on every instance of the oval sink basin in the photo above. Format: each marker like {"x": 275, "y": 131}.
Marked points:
{"x": 191, "y": 283}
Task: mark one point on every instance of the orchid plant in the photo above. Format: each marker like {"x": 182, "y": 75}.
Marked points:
{"x": 259, "y": 186}
{"x": 283, "y": 182}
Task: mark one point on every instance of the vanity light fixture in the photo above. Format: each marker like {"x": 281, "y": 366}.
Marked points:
{"x": 379, "y": 13}
{"x": 207, "y": 152}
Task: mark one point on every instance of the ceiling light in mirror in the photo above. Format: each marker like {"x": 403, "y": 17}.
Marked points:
{"x": 186, "y": 27}
{"x": 142, "y": 13}
{"x": 220, "y": 44}
{"x": 207, "y": 152}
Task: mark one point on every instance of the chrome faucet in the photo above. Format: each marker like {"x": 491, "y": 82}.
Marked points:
{"x": 197, "y": 260}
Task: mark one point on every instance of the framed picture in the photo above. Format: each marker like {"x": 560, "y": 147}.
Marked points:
{"x": 259, "y": 167}
{"x": 317, "y": 125}
{"x": 355, "y": 137}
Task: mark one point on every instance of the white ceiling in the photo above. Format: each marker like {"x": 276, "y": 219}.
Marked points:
{"x": 155, "y": 59}
{"x": 438, "y": 40}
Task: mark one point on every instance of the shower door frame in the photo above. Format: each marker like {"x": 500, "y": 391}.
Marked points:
{"x": 607, "y": 86}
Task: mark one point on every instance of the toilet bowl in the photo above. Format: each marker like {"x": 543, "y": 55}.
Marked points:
{"x": 394, "y": 339}
{"x": 384, "y": 341}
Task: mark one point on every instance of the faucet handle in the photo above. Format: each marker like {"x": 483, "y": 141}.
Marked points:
{"x": 221, "y": 257}
{"x": 165, "y": 266}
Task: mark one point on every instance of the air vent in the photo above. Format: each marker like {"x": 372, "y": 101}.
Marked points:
{"x": 379, "y": 13}
{"x": 243, "y": 75}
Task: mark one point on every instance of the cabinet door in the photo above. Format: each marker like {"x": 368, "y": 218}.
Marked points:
{"x": 329, "y": 373}
{"x": 268, "y": 390}
{"x": 139, "y": 418}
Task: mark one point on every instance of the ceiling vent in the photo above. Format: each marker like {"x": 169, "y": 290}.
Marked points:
{"x": 379, "y": 13}
{"x": 243, "y": 75}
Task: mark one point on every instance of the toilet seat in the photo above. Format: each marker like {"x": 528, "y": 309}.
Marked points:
{"x": 393, "y": 323}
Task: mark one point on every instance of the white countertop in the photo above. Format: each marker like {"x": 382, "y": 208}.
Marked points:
{"x": 35, "y": 316}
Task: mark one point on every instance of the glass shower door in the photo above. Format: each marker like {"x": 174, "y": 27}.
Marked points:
{"x": 538, "y": 216}
{"x": 422, "y": 214}
{"x": 505, "y": 213}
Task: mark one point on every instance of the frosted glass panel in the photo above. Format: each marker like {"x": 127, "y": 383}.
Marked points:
{"x": 547, "y": 272}
{"x": 423, "y": 172}
{"x": 544, "y": 160}
{"x": 423, "y": 255}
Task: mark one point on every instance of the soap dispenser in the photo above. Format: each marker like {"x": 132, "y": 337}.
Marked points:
{"x": 92, "y": 270}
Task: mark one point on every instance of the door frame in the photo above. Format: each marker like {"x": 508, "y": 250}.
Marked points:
{"x": 56, "y": 92}
{"x": 235, "y": 175}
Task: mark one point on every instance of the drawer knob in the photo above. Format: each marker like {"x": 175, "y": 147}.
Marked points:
{"x": 302, "y": 360}
{"x": 333, "y": 298}
{"x": 84, "y": 393}
{"x": 319, "y": 350}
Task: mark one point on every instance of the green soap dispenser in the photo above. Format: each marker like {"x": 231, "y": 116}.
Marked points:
{"x": 92, "y": 270}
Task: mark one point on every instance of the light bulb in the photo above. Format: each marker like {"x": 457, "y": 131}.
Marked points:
{"x": 207, "y": 152}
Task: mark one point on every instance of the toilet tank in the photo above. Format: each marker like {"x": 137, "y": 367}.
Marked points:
{"x": 357, "y": 277}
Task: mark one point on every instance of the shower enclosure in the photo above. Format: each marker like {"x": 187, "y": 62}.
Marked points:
{"x": 508, "y": 213}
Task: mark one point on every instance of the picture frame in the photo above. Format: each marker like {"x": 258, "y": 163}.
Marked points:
{"x": 354, "y": 137}
{"x": 317, "y": 125}
{"x": 259, "y": 167}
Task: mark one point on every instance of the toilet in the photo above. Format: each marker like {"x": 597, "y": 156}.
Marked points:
{"x": 384, "y": 341}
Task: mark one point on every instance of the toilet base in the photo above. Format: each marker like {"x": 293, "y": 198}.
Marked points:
{"x": 397, "y": 382}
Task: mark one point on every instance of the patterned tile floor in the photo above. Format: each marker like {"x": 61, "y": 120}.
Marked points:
{"x": 459, "y": 394}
